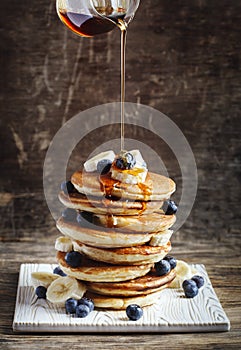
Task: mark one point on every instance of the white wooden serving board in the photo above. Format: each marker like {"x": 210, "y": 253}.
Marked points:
{"x": 172, "y": 312}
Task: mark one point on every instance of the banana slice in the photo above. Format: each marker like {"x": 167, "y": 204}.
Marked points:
{"x": 183, "y": 272}
{"x": 91, "y": 164}
{"x": 63, "y": 244}
{"x": 138, "y": 157}
{"x": 44, "y": 278}
{"x": 160, "y": 239}
{"x": 80, "y": 291}
{"x": 133, "y": 176}
{"x": 62, "y": 289}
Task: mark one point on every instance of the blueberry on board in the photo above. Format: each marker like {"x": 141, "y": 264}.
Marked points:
{"x": 59, "y": 272}
{"x": 125, "y": 161}
{"x": 82, "y": 311}
{"x": 70, "y": 305}
{"x": 69, "y": 214}
{"x": 134, "y": 312}
{"x": 190, "y": 288}
{"x": 67, "y": 187}
{"x": 87, "y": 302}
{"x": 199, "y": 280}
{"x": 73, "y": 259}
{"x": 162, "y": 267}
{"x": 172, "y": 261}
{"x": 103, "y": 166}
{"x": 170, "y": 207}
{"x": 40, "y": 291}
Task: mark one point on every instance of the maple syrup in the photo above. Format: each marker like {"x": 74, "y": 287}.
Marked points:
{"x": 88, "y": 25}
{"x": 107, "y": 185}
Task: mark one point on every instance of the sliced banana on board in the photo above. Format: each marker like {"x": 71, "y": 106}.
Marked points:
{"x": 63, "y": 244}
{"x": 183, "y": 272}
{"x": 43, "y": 278}
{"x": 61, "y": 289}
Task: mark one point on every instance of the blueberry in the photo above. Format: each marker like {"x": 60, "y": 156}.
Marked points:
{"x": 58, "y": 271}
{"x": 40, "y": 291}
{"x": 172, "y": 261}
{"x": 163, "y": 267}
{"x": 134, "y": 312}
{"x": 125, "y": 161}
{"x": 87, "y": 302}
{"x": 199, "y": 280}
{"x": 82, "y": 311}
{"x": 190, "y": 288}
{"x": 103, "y": 166}
{"x": 84, "y": 217}
{"x": 169, "y": 207}
{"x": 70, "y": 305}
{"x": 69, "y": 214}
{"x": 67, "y": 187}
{"x": 73, "y": 259}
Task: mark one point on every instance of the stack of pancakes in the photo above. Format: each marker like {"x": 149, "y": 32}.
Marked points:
{"x": 121, "y": 233}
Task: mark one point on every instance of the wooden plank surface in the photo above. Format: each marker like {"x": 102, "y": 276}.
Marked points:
{"x": 183, "y": 58}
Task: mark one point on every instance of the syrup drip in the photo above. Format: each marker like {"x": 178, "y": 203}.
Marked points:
{"x": 107, "y": 186}
{"x": 110, "y": 221}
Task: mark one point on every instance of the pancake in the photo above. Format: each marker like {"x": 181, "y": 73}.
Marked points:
{"x": 94, "y": 271}
{"x": 106, "y": 238}
{"x": 155, "y": 187}
{"x": 153, "y": 222}
{"x": 139, "y": 286}
{"x": 121, "y": 303}
{"x": 142, "y": 254}
{"x": 104, "y": 205}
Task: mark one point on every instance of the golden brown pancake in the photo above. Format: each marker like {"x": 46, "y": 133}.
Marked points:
{"x": 153, "y": 222}
{"x": 155, "y": 187}
{"x": 142, "y": 254}
{"x": 96, "y": 236}
{"x": 96, "y": 271}
{"x": 104, "y": 205}
{"x": 139, "y": 286}
{"x": 121, "y": 303}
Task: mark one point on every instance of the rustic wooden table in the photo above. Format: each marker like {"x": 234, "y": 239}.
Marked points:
{"x": 223, "y": 265}
{"x": 183, "y": 58}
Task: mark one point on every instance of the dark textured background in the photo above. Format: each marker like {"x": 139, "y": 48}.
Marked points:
{"x": 183, "y": 58}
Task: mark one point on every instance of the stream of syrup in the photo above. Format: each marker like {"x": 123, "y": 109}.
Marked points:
{"x": 123, "y": 29}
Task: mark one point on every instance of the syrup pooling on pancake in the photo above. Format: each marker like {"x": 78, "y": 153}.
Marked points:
{"x": 89, "y": 184}
{"x": 122, "y": 180}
